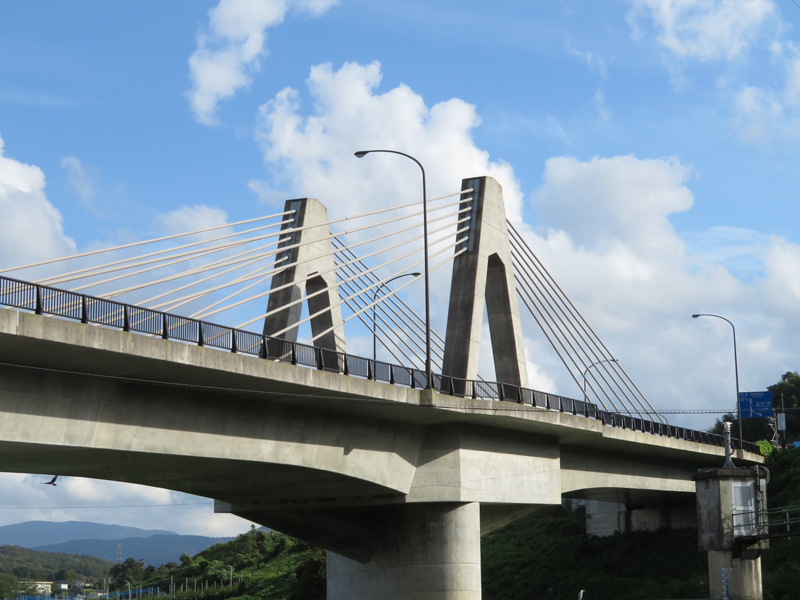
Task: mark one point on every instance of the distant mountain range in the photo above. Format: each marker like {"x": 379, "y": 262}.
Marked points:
{"x": 153, "y": 546}
{"x": 39, "y": 533}
{"x": 155, "y": 550}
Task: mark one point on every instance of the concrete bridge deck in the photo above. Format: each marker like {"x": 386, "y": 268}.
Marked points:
{"x": 326, "y": 457}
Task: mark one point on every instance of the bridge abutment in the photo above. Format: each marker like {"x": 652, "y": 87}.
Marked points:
{"x": 430, "y": 551}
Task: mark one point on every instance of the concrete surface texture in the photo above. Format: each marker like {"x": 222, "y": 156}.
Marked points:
{"x": 430, "y": 551}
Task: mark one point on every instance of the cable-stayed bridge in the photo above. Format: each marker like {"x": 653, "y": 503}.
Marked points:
{"x": 115, "y": 364}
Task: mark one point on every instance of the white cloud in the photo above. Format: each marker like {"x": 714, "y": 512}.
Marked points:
{"x": 26, "y": 499}
{"x": 605, "y": 200}
{"x": 703, "y": 29}
{"x": 83, "y": 181}
{"x": 782, "y": 261}
{"x": 32, "y": 226}
{"x": 316, "y": 152}
{"x": 266, "y": 194}
{"x": 229, "y": 50}
{"x": 191, "y": 218}
{"x": 604, "y": 232}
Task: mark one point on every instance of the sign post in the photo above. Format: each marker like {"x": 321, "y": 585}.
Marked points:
{"x": 755, "y": 405}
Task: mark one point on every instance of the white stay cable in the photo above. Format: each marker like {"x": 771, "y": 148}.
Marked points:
{"x": 576, "y": 345}
{"x": 198, "y": 231}
{"x": 343, "y": 299}
{"x": 165, "y": 261}
{"x": 354, "y": 305}
{"x": 263, "y": 273}
{"x": 390, "y": 313}
{"x": 394, "y": 291}
{"x": 204, "y": 314}
{"x": 306, "y": 297}
{"x": 218, "y": 264}
{"x": 393, "y": 335}
{"x": 396, "y": 305}
{"x": 88, "y": 271}
{"x": 331, "y": 236}
{"x": 143, "y": 242}
{"x": 239, "y": 265}
{"x": 584, "y": 325}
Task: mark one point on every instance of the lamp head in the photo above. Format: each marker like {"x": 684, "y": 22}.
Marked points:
{"x": 362, "y": 153}
{"x": 415, "y": 274}
{"x": 695, "y": 316}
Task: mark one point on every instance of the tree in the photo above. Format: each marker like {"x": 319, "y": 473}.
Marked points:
{"x": 759, "y": 429}
{"x": 9, "y": 586}
{"x": 131, "y": 571}
{"x": 789, "y": 386}
{"x": 64, "y": 575}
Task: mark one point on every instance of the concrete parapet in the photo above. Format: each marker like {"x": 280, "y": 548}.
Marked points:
{"x": 423, "y": 551}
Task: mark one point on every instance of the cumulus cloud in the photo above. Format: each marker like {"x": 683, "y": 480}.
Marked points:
{"x": 229, "y": 50}
{"x": 610, "y": 199}
{"x": 703, "y": 29}
{"x": 32, "y": 226}
{"x": 315, "y": 152}
{"x": 604, "y": 232}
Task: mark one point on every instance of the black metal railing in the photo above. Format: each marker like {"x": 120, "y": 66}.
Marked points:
{"x": 44, "y": 300}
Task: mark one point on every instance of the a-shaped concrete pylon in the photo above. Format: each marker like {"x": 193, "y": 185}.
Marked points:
{"x": 484, "y": 274}
{"x": 311, "y": 249}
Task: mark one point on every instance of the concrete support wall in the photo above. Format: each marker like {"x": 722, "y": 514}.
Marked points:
{"x": 313, "y": 249}
{"x": 484, "y": 275}
{"x": 604, "y": 518}
{"x": 423, "y": 551}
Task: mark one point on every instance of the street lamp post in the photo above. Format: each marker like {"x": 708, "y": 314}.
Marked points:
{"x": 586, "y": 370}
{"x": 428, "y": 364}
{"x": 375, "y": 311}
{"x": 736, "y": 369}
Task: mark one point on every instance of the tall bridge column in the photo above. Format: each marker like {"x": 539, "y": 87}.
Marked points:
{"x": 430, "y": 551}
{"x": 484, "y": 276}
{"x": 310, "y": 252}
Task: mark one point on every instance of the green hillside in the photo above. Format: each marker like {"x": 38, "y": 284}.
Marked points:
{"x": 268, "y": 566}
{"x": 47, "y": 566}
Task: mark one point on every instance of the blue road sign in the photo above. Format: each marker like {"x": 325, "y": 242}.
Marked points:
{"x": 755, "y": 405}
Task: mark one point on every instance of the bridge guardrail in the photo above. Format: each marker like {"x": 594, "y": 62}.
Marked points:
{"x": 108, "y": 313}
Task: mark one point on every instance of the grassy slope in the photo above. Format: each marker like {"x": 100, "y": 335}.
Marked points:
{"x": 547, "y": 556}
{"x": 34, "y": 564}
{"x": 271, "y": 566}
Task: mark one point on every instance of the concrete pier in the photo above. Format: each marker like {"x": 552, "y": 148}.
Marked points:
{"x": 423, "y": 551}
{"x": 734, "y": 564}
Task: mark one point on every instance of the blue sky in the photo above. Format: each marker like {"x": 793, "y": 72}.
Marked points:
{"x": 648, "y": 148}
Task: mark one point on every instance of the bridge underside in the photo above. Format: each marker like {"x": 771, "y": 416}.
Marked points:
{"x": 354, "y": 466}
